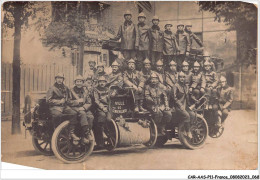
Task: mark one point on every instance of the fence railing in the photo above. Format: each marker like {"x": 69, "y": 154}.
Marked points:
{"x": 33, "y": 78}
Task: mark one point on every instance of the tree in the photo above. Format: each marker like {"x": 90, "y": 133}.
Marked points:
{"x": 16, "y": 16}
{"x": 240, "y": 16}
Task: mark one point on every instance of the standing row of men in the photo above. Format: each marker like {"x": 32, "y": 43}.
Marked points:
{"x": 141, "y": 41}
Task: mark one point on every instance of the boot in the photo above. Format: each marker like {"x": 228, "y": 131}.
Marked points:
{"x": 72, "y": 134}
{"x": 100, "y": 137}
{"x": 136, "y": 110}
{"x": 163, "y": 131}
{"x": 141, "y": 108}
{"x": 187, "y": 129}
{"x": 86, "y": 135}
{"x": 218, "y": 124}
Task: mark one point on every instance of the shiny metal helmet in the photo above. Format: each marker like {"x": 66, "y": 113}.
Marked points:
{"x": 130, "y": 61}
{"x": 155, "y": 18}
{"x": 185, "y": 63}
{"x": 196, "y": 64}
{"x": 181, "y": 74}
{"x": 172, "y": 63}
{"x": 79, "y": 77}
{"x": 115, "y": 63}
{"x": 154, "y": 75}
{"x": 147, "y": 61}
{"x": 102, "y": 78}
{"x": 159, "y": 63}
{"x": 142, "y": 15}
{"x": 61, "y": 75}
{"x": 127, "y": 12}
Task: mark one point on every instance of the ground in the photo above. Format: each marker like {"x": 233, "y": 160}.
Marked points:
{"x": 235, "y": 149}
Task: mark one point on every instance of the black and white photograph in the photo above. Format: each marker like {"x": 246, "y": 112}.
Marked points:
{"x": 130, "y": 85}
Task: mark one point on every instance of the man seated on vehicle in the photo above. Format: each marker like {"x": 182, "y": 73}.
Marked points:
{"x": 132, "y": 78}
{"x": 156, "y": 102}
{"x": 171, "y": 76}
{"x": 211, "y": 83}
{"x": 100, "y": 72}
{"x": 180, "y": 99}
{"x": 187, "y": 72}
{"x": 146, "y": 71}
{"x": 198, "y": 82}
{"x": 58, "y": 97}
{"x": 101, "y": 98}
{"x": 81, "y": 103}
{"x": 160, "y": 72}
{"x": 225, "y": 98}
{"x": 115, "y": 78}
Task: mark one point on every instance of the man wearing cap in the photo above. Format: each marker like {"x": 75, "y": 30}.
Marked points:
{"x": 81, "y": 103}
{"x": 198, "y": 81}
{"x": 58, "y": 97}
{"x": 225, "y": 98}
{"x": 156, "y": 41}
{"x": 161, "y": 73}
{"x": 156, "y": 102}
{"x": 183, "y": 43}
{"x": 171, "y": 77}
{"x": 192, "y": 36}
{"x": 143, "y": 48}
{"x": 128, "y": 33}
{"x": 100, "y": 72}
{"x": 170, "y": 46}
{"x": 101, "y": 98}
{"x": 132, "y": 78}
{"x": 187, "y": 72}
{"x": 211, "y": 83}
{"x": 181, "y": 101}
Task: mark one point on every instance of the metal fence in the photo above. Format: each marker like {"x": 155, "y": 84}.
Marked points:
{"x": 34, "y": 78}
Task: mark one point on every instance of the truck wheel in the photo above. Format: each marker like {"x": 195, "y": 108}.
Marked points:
{"x": 153, "y": 134}
{"x": 111, "y": 131}
{"x": 42, "y": 146}
{"x": 199, "y": 131}
{"x": 65, "y": 150}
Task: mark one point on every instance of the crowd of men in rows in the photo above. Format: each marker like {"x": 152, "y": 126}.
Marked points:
{"x": 165, "y": 86}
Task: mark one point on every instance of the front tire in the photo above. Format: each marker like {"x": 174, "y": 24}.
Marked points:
{"x": 153, "y": 135}
{"x": 199, "y": 131}
{"x": 42, "y": 146}
{"x": 65, "y": 150}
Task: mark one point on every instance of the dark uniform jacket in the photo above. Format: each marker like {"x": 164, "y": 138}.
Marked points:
{"x": 193, "y": 36}
{"x": 55, "y": 94}
{"x": 146, "y": 75}
{"x": 115, "y": 79}
{"x": 170, "y": 46}
{"x": 101, "y": 97}
{"x": 97, "y": 75}
{"x": 156, "y": 39}
{"x": 161, "y": 76}
{"x": 180, "y": 96}
{"x": 171, "y": 79}
{"x": 155, "y": 97}
{"x": 211, "y": 79}
{"x": 143, "y": 37}
{"x": 225, "y": 96}
{"x": 188, "y": 78}
{"x": 129, "y": 36}
{"x": 198, "y": 80}
{"x": 78, "y": 93}
{"x": 133, "y": 78}
{"x": 183, "y": 40}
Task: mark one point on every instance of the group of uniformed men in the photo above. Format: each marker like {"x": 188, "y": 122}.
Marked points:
{"x": 157, "y": 90}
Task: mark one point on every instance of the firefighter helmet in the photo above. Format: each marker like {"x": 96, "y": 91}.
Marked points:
{"x": 130, "y": 61}
{"x": 172, "y": 63}
{"x": 159, "y": 63}
{"x": 196, "y": 64}
{"x": 115, "y": 63}
{"x": 102, "y": 78}
{"x": 142, "y": 15}
{"x": 127, "y": 12}
{"x": 154, "y": 75}
{"x": 79, "y": 77}
{"x": 181, "y": 74}
{"x": 180, "y": 24}
{"x": 91, "y": 60}
{"x": 167, "y": 23}
{"x": 155, "y": 18}
{"x": 185, "y": 63}
{"x": 61, "y": 75}
{"x": 147, "y": 61}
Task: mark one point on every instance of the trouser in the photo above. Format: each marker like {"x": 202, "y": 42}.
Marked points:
{"x": 167, "y": 59}
{"x": 85, "y": 118}
{"x": 215, "y": 117}
{"x": 179, "y": 59}
{"x": 225, "y": 113}
{"x": 141, "y": 56}
{"x": 155, "y": 56}
{"x": 161, "y": 118}
{"x": 212, "y": 93}
{"x": 128, "y": 54}
{"x": 186, "y": 116}
{"x": 66, "y": 113}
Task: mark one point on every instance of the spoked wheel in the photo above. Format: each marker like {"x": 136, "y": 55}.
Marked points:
{"x": 111, "y": 132}
{"x": 216, "y": 132}
{"x": 42, "y": 146}
{"x": 153, "y": 134}
{"x": 65, "y": 150}
{"x": 199, "y": 131}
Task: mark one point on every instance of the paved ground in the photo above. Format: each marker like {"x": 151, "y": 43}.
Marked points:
{"x": 235, "y": 149}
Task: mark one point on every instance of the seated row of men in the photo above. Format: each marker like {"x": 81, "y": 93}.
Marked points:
{"x": 162, "y": 93}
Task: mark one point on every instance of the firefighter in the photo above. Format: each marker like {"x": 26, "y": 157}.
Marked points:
{"x": 171, "y": 76}
{"x": 157, "y": 103}
{"x": 156, "y": 41}
{"x": 128, "y": 33}
{"x": 146, "y": 71}
{"x": 92, "y": 68}
{"x": 143, "y": 48}
{"x": 206, "y": 57}
{"x": 100, "y": 72}
{"x": 180, "y": 99}
{"x": 192, "y": 36}
{"x": 170, "y": 46}
{"x": 225, "y": 98}
{"x": 101, "y": 98}
{"x": 81, "y": 103}
{"x": 183, "y": 43}
{"x": 132, "y": 78}
{"x": 198, "y": 81}
{"x": 58, "y": 97}
{"x": 88, "y": 84}
{"x": 161, "y": 73}
{"x": 187, "y": 72}
{"x": 211, "y": 82}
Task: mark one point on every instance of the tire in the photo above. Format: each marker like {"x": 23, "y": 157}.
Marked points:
{"x": 111, "y": 131}
{"x": 42, "y": 146}
{"x": 74, "y": 153}
{"x": 153, "y": 135}
{"x": 215, "y": 132}
{"x": 161, "y": 140}
{"x": 199, "y": 129}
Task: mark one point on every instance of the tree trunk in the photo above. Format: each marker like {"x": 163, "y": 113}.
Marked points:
{"x": 16, "y": 128}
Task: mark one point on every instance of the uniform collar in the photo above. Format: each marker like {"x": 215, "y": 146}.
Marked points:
{"x": 168, "y": 32}
{"x": 59, "y": 86}
{"x": 142, "y": 24}
{"x": 128, "y": 23}
{"x": 155, "y": 27}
